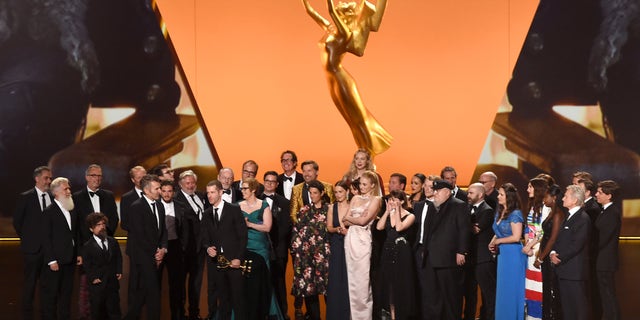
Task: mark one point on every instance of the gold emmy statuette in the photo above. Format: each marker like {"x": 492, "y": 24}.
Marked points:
{"x": 349, "y": 32}
{"x": 224, "y": 263}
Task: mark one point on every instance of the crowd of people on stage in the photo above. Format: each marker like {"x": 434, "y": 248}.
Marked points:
{"x": 370, "y": 254}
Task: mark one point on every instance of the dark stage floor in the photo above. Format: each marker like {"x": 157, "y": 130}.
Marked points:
{"x": 628, "y": 279}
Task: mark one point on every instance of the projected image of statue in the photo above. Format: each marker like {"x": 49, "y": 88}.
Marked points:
{"x": 348, "y": 32}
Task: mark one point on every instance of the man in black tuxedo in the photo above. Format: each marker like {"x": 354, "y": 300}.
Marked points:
{"x": 89, "y": 200}
{"x": 280, "y": 236}
{"x": 147, "y": 246}
{"x": 449, "y": 174}
{"x": 59, "y": 242}
{"x": 290, "y": 177}
{"x": 489, "y": 180}
{"x": 249, "y": 170}
{"x": 164, "y": 172}
{"x": 224, "y": 232}
{"x": 422, "y": 210}
{"x": 194, "y": 253}
{"x": 608, "y": 230}
{"x": 229, "y": 194}
{"x": 570, "y": 255}
{"x": 485, "y": 266}
{"x": 102, "y": 261}
{"x": 136, "y": 173}
{"x": 177, "y": 236}
{"x": 27, "y": 221}
{"x": 593, "y": 209}
{"x": 445, "y": 249}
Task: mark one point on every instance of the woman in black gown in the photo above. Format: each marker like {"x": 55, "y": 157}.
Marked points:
{"x": 396, "y": 283}
{"x": 338, "y": 286}
{"x": 550, "y": 227}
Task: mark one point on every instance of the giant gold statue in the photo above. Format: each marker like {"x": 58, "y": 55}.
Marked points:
{"x": 349, "y": 32}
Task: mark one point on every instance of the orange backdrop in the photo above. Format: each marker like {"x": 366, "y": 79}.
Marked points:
{"x": 433, "y": 76}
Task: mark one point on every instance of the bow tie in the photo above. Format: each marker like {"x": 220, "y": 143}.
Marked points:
{"x": 91, "y": 194}
{"x": 228, "y": 191}
{"x": 286, "y": 178}
{"x": 269, "y": 196}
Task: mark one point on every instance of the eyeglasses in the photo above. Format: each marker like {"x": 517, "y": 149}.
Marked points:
{"x": 244, "y": 188}
{"x": 167, "y": 172}
{"x": 253, "y": 173}
{"x": 94, "y": 175}
{"x": 286, "y": 160}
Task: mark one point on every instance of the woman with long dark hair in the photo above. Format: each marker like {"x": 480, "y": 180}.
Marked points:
{"x": 338, "y": 287}
{"x": 550, "y": 229}
{"x": 417, "y": 189}
{"x": 508, "y": 227}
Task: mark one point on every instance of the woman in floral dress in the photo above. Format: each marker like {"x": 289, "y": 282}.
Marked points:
{"x": 310, "y": 250}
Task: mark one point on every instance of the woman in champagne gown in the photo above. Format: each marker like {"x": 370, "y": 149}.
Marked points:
{"x": 508, "y": 228}
{"x": 357, "y": 245}
{"x": 261, "y": 300}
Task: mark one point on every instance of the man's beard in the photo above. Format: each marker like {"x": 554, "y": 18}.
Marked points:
{"x": 102, "y": 234}
{"x": 67, "y": 203}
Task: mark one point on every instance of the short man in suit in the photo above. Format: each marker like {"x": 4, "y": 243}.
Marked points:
{"x": 147, "y": 246}
{"x": 224, "y": 232}
{"x": 608, "y": 230}
{"x": 249, "y": 170}
{"x": 89, "y": 200}
{"x": 300, "y": 192}
{"x": 570, "y": 255}
{"x": 280, "y": 236}
{"x": 289, "y": 177}
{"x": 136, "y": 173}
{"x": 480, "y": 257}
{"x": 59, "y": 243}
{"x": 194, "y": 253}
{"x": 449, "y": 174}
{"x": 489, "y": 180}
{"x": 446, "y": 248}
{"x": 177, "y": 236}
{"x": 27, "y": 221}
{"x": 102, "y": 262}
{"x": 229, "y": 194}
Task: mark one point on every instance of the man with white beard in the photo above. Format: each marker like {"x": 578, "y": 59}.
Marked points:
{"x": 59, "y": 236}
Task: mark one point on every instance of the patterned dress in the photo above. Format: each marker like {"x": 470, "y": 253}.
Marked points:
{"x": 310, "y": 250}
{"x": 533, "y": 284}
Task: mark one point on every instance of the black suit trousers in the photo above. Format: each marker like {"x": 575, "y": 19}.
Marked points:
{"x": 229, "y": 287}
{"x": 573, "y": 298}
{"x": 444, "y": 292}
{"x": 104, "y": 299}
{"x": 423, "y": 285}
{"x": 470, "y": 291}
{"x": 146, "y": 291}
{"x": 33, "y": 263}
{"x": 486, "y": 277}
{"x": 174, "y": 262}
{"x": 194, "y": 266}
{"x": 56, "y": 291}
{"x": 607, "y": 287}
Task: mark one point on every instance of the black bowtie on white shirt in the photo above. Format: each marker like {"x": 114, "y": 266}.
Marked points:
{"x": 287, "y": 185}
{"x": 95, "y": 199}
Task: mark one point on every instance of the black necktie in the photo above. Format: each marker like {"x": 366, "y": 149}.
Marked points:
{"x": 216, "y": 217}
{"x": 104, "y": 245}
{"x": 287, "y": 178}
{"x": 44, "y": 201}
{"x": 155, "y": 214}
{"x": 227, "y": 191}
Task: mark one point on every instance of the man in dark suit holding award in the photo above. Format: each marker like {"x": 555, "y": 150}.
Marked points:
{"x": 280, "y": 236}
{"x": 147, "y": 246}
{"x": 27, "y": 221}
{"x": 484, "y": 265}
{"x": 290, "y": 177}
{"x": 224, "y": 235}
{"x": 607, "y": 226}
{"x": 446, "y": 247}
{"x": 89, "y": 200}
{"x": 570, "y": 255}
{"x": 59, "y": 243}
